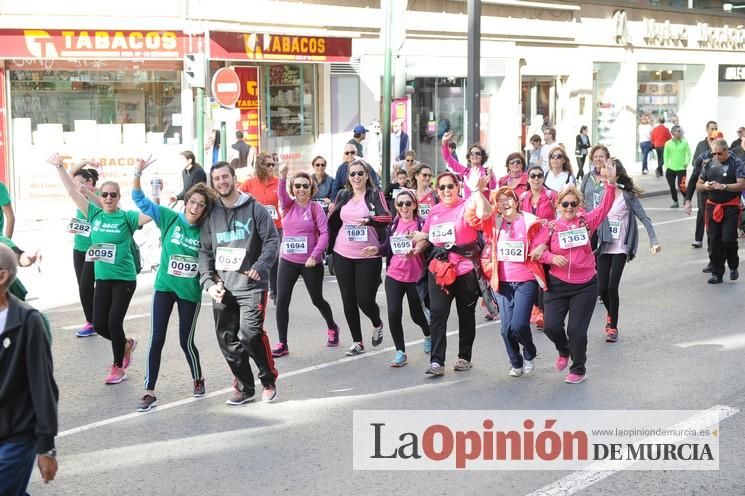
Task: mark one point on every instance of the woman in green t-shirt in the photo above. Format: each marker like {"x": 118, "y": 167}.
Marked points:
{"x": 177, "y": 281}
{"x": 113, "y": 263}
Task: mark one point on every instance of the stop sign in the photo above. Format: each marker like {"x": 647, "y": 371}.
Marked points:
{"x": 226, "y": 87}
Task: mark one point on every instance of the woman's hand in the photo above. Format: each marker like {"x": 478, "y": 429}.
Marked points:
{"x": 610, "y": 171}
{"x": 537, "y": 252}
{"x": 55, "y": 160}
{"x": 655, "y": 249}
{"x": 143, "y": 163}
{"x": 311, "y": 262}
{"x": 446, "y": 137}
{"x": 370, "y": 251}
{"x": 417, "y": 236}
{"x": 559, "y": 261}
{"x": 283, "y": 171}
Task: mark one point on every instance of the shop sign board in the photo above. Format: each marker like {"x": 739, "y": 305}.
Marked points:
{"x": 248, "y": 103}
{"x": 87, "y": 44}
{"x": 226, "y": 86}
{"x": 264, "y": 46}
{"x": 731, "y": 73}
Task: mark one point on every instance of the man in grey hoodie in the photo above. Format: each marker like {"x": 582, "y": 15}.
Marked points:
{"x": 239, "y": 244}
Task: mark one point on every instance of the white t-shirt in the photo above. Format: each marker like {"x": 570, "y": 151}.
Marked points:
{"x": 3, "y": 320}
{"x": 544, "y": 156}
{"x": 557, "y": 183}
{"x": 645, "y": 133}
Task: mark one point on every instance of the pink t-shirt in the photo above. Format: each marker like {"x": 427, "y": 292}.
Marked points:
{"x": 306, "y": 231}
{"x": 509, "y": 237}
{"x": 426, "y": 202}
{"x": 545, "y": 208}
{"x": 447, "y": 223}
{"x": 362, "y": 236}
{"x": 618, "y": 218}
{"x": 404, "y": 268}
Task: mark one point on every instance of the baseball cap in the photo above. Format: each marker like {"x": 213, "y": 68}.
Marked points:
{"x": 359, "y": 129}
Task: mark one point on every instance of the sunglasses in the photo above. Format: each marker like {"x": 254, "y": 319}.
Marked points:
{"x": 357, "y": 173}
{"x": 301, "y": 185}
{"x": 404, "y": 203}
{"x": 319, "y": 165}
{"x": 107, "y": 194}
{"x": 443, "y": 187}
{"x": 536, "y": 176}
{"x": 425, "y": 175}
{"x": 515, "y": 161}
{"x": 557, "y": 156}
{"x": 567, "y": 204}
{"x": 269, "y": 164}
{"x": 196, "y": 203}
{"x": 476, "y": 153}
{"x": 350, "y": 152}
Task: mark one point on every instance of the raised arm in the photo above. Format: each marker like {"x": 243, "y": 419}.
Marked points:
{"x": 146, "y": 206}
{"x": 77, "y": 197}
{"x": 453, "y": 164}
{"x": 285, "y": 201}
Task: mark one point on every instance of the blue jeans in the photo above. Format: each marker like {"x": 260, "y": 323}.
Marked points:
{"x": 516, "y": 300}
{"x": 16, "y": 463}
{"x": 646, "y": 147}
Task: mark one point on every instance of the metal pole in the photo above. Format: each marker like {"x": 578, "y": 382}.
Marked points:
{"x": 223, "y": 141}
{"x": 387, "y": 70}
{"x": 200, "y": 125}
{"x": 473, "y": 84}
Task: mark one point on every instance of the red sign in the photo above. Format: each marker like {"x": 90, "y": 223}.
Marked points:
{"x": 226, "y": 87}
{"x": 99, "y": 44}
{"x": 249, "y": 104}
{"x": 262, "y": 46}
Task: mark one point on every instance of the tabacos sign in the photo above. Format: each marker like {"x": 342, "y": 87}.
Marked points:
{"x": 264, "y": 46}
{"x": 77, "y": 44}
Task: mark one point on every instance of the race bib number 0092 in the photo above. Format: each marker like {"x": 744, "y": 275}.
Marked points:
{"x": 101, "y": 252}
{"x": 574, "y": 238}
{"x": 228, "y": 259}
{"x": 183, "y": 266}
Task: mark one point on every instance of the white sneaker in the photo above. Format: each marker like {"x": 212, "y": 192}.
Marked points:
{"x": 528, "y": 366}
{"x": 516, "y": 372}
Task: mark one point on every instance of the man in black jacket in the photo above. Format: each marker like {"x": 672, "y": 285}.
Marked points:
{"x": 702, "y": 153}
{"x": 28, "y": 393}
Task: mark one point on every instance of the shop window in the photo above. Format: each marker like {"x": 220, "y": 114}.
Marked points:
{"x": 290, "y": 89}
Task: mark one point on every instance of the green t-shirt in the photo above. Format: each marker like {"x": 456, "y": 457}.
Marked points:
{"x": 111, "y": 243}
{"x": 80, "y": 242}
{"x": 16, "y": 288}
{"x": 178, "y": 257}
{"x": 4, "y": 200}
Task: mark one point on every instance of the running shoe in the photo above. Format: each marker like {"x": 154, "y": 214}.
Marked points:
{"x": 708, "y": 269}
{"x": 516, "y": 372}
{"x": 734, "y": 275}
{"x": 116, "y": 375}
{"x": 697, "y": 244}
{"x": 561, "y": 363}
{"x": 377, "y": 336}
{"x": 675, "y": 205}
{"x": 399, "y": 360}
{"x": 86, "y": 331}
{"x": 489, "y": 316}
{"x": 575, "y": 378}
{"x": 128, "y": 349}
{"x": 280, "y": 350}
{"x": 528, "y": 366}
{"x": 462, "y": 365}
{"x": 333, "y": 337}
{"x": 427, "y": 344}
{"x": 715, "y": 280}
{"x": 435, "y": 369}
{"x": 270, "y": 394}
{"x": 147, "y": 403}
{"x": 356, "y": 349}
{"x": 240, "y": 398}
{"x": 611, "y": 334}
{"x": 199, "y": 389}
{"x": 539, "y": 320}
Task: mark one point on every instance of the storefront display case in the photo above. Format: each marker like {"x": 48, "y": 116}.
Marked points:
{"x": 289, "y": 96}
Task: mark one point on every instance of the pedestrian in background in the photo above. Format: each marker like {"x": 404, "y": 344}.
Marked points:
{"x": 582, "y": 143}
{"x": 192, "y": 174}
{"x": 677, "y": 157}
{"x": 645, "y": 141}
{"x": 660, "y": 136}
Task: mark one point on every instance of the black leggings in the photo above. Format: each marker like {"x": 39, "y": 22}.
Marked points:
{"x": 188, "y": 312}
{"x": 610, "y": 270}
{"x": 110, "y": 303}
{"x": 84, "y": 275}
{"x": 287, "y": 276}
{"x": 674, "y": 179}
{"x": 274, "y": 269}
{"x": 394, "y": 297}
{"x": 359, "y": 280}
{"x": 580, "y": 167}
{"x": 465, "y": 291}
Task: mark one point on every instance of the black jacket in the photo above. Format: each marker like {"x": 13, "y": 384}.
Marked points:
{"x": 699, "y": 161}
{"x": 28, "y": 393}
{"x": 191, "y": 177}
{"x": 379, "y": 217}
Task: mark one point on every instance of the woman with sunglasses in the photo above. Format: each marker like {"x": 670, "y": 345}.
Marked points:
{"x": 447, "y": 229}
{"x": 323, "y": 182}
{"x": 82, "y": 241}
{"x": 405, "y": 266}
{"x": 356, "y": 224}
{"x": 420, "y": 180}
{"x": 305, "y": 240}
{"x": 112, "y": 230}
{"x": 516, "y": 177}
{"x": 541, "y": 202}
{"x": 559, "y": 173}
{"x": 177, "y": 280}
{"x": 618, "y": 239}
{"x": 263, "y": 186}
{"x": 512, "y": 238}
{"x": 572, "y": 278}
{"x": 476, "y": 167}
{"x": 592, "y": 186}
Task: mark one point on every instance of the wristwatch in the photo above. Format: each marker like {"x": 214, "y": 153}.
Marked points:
{"x": 137, "y": 173}
{"x": 52, "y": 453}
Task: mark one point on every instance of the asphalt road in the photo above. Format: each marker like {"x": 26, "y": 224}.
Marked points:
{"x": 681, "y": 346}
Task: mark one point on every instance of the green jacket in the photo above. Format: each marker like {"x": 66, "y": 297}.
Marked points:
{"x": 677, "y": 154}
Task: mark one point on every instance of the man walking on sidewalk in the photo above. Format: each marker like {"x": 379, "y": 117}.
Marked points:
{"x": 660, "y": 136}
{"x": 677, "y": 155}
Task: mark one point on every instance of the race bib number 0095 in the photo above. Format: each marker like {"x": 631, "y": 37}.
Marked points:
{"x": 81, "y": 227}
{"x": 574, "y": 238}
{"x": 183, "y": 266}
{"x": 101, "y": 252}
{"x": 229, "y": 259}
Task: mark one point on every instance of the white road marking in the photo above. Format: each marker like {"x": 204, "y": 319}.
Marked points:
{"x": 673, "y": 221}
{"x": 666, "y": 209}
{"x": 187, "y": 401}
{"x": 727, "y": 343}
{"x": 577, "y": 481}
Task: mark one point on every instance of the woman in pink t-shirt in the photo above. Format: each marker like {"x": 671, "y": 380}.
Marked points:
{"x": 420, "y": 178}
{"x": 476, "y": 167}
{"x": 302, "y": 251}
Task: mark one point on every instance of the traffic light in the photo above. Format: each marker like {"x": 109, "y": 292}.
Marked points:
{"x": 194, "y": 69}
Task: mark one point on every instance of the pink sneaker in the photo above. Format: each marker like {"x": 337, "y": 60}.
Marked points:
{"x": 116, "y": 375}
{"x": 561, "y": 363}
{"x": 333, "y": 337}
{"x": 129, "y": 347}
{"x": 575, "y": 378}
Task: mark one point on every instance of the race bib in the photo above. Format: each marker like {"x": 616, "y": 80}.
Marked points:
{"x": 424, "y": 210}
{"x": 443, "y": 233}
{"x": 511, "y": 251}
{"x": 400, "y": 245}
{"x": 183, "y": 266}
{"x": 574, "y": 238}
{"x": 295, "y": 245}
{"x": 356, "y": 233}
{"x": 596, "y": 199}
{"x": 228, "y": 259}
{"x": 272, "y": 212}
{"x": 615, "y": 228}
{"x": 81, "y": 227}
{"x": 101, "y": 252}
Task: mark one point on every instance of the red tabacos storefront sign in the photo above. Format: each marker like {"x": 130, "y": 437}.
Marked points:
{"x": 263, "y": 46}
